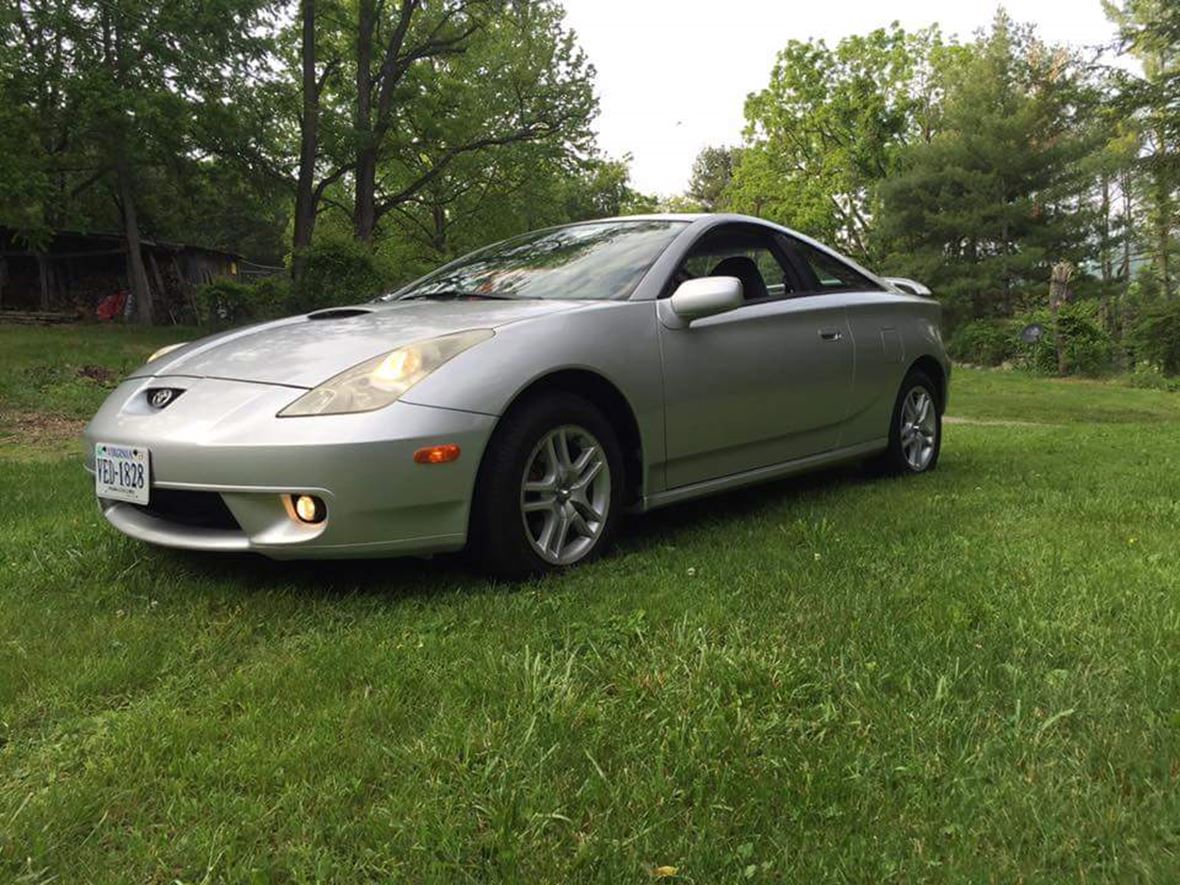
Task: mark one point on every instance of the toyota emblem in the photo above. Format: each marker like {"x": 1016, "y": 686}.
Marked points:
{"x": 161, "y": 397}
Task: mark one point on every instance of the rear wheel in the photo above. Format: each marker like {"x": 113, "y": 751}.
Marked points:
{"x": 548, "y": 488}
{"x": 915, "y": 433}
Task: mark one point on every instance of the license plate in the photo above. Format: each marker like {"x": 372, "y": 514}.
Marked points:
{"x": 122, "y": 473}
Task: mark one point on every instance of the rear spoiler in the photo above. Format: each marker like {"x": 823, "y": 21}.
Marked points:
{"x": 910, "y": 287}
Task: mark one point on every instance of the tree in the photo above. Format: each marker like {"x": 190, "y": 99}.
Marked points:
{"x": 828, "y": 129}
{"x": 113, "y": 93}
{"x": 433, "y": 82}
{"x": 990, "y": 201}
{"x": 1150, "y": 30}
{"x": 712, "y": 171}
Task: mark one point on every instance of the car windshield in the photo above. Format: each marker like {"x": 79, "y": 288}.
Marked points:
{"x": 596, "y": 260}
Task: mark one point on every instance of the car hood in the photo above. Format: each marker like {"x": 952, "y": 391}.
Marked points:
{"x": 307, "y": 350}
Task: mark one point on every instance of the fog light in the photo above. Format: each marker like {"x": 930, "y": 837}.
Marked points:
{"x": 436, "y": 454}
{"x": 309, "y": 508}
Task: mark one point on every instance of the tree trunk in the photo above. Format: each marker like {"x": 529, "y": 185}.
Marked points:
{"x": 1058, "y": 286}
{"x": 365, "y": 210}
{"x": 309, "y": 133}
{"x": 3, "y": 277}
{"x": 141, "y": 292}
{"x": 158, "y": 278}
{"x": 1163, "y": 220}
{"x": 439, "y": 239}
{"x": 364, "y": 217}
{"x": 43, "y": 278}
{"x": 1107, "y": 313}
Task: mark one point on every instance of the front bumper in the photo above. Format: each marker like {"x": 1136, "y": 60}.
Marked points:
{"x": 222, "y": 438}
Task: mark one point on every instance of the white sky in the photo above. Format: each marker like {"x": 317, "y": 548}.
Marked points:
{"x": 673, "y": 75}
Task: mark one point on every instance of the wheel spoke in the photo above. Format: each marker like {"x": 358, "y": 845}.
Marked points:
{"x": 563, "y": 527}
{"x": 545, "y": 537}
{"x": 551, "y": 456}
{"x": 547, "y": 502}
{"x": 584, "y": 479}
{"x": 587, "y": 455}
{"x": 538, "y": 486}
{"x": 563, "y": 449}
{"x": 586, "y": 509}
{"x": 579, "y": 523}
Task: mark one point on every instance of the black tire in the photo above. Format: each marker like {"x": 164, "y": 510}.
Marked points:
{"x": 498, "y": 534}
{"x": 894, "y": 460}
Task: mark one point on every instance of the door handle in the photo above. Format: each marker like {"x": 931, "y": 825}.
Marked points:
{"x": 831, "y": 334}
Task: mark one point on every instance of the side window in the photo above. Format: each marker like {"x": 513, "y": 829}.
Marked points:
{"x": 831, "y": 274}
{"x": 747, "y": 255}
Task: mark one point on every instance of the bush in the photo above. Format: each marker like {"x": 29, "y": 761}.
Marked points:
{"x": 225, "y": 302}
{"x": 985, "y": 342}
{"x": 1149, "y": 376}
{"x": 1089, "y": 349}
{"x": 338, "y": 270}
{"x": 1155, "y": 337}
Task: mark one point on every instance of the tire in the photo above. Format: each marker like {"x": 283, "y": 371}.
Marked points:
{"x": 516, "y": 530}
{"x": 909, "y": 454}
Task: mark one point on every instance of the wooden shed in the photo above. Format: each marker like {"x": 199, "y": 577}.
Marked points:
{"x": 77, "y": 270}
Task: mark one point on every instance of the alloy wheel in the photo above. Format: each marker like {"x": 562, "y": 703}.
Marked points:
{"x": 919, "y": 428}
{"x": 565, "y": 494}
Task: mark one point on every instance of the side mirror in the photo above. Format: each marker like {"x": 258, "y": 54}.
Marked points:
{"x": 705, "y": 296}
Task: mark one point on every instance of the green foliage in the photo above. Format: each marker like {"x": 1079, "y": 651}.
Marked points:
{"x": 985, "y": 342}
{"x": 1156, "y": 336}
{"x": 980, "y": 210}
{"x": 828, "y": 129}
{"x": 1148, "y": 376}
{"x": 339, "y": 270}
{"x": 712, "y": 172}
{"x": 1089, "y": 348}
{"x": 225, "y": 302}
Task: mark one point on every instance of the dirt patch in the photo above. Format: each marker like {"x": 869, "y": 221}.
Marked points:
{"x": 101, "y": 374}
{"x": 39, "y": 431}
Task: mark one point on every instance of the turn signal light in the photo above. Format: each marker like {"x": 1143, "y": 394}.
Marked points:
{"x": 436, "y": 454}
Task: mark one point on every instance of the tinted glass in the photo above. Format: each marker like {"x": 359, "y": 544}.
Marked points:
{"x": 598, "y": 260}
{"x": 831, "y": 273}
{"x": 705, "y": 257}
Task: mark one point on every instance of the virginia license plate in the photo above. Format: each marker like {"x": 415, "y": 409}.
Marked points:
{"x": 122, "y": 473}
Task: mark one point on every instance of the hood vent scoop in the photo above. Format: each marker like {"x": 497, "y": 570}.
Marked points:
{"x": 338, "y": 313}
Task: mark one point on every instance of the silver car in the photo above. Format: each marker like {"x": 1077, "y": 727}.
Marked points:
{"x": 518, "y": 401}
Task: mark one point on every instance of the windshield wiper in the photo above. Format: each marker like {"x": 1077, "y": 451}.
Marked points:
{"x": 458, "y": 295}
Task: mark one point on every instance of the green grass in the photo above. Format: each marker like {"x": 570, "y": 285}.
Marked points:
{"x": 968, "y": 676}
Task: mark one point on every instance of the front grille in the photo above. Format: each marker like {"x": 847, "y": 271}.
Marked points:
{"x": 204, "y": 510}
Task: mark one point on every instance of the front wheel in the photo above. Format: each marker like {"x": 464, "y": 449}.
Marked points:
{"x": 549, "y": 488}
{"x": 915, "y": 433}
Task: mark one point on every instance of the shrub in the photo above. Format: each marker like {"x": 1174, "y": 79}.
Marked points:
{"x": 225, "y": 302}
{"x": 1148, "y": 375}
{"x": 1155, "y": 337}
{"x": 1089, "y": 349}
{"x": 338, "y": 270}
{"x": 985, "y": 342}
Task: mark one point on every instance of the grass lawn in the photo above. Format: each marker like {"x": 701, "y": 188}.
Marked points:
{"x": 973, "y": 675}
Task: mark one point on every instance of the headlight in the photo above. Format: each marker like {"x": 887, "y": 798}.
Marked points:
{"x": 378, "y": 382}
{"x": 167, "y": 348}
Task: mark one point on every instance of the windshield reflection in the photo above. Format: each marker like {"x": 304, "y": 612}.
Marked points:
{"x": 595, "y": 260}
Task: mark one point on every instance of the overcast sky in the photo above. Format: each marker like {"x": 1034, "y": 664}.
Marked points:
{"x": 673, "y": 74}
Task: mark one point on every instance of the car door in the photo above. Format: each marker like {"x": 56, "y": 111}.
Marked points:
{"x": 760, "y": 385}
{"x": 875, "y": 316}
